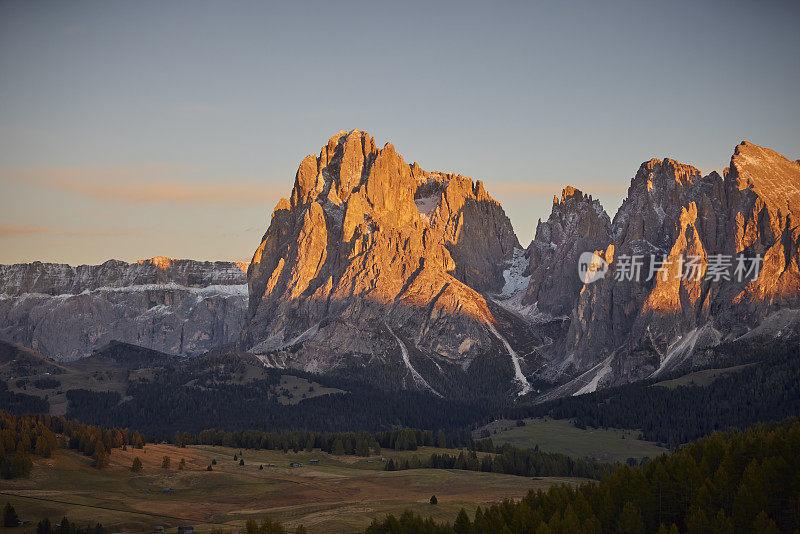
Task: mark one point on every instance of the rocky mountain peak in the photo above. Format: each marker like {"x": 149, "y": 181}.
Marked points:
{"x": 337, "y": 170}
{"x": 576, "y": 224}
{"x": 159, "y": 261}
{"x": 370, "y": 244}
{"x": 650, "y": 215}
{"x": 568, "y": 193}
{"x": 623, "y": 328}
{"x": 772, "y": 177}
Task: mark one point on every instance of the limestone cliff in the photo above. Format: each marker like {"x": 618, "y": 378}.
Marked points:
{"x": 373, "y": 262}
{"x": 621, "y": 329}
{"x": 577, "y": 224}
{"x": 180, "y": 307}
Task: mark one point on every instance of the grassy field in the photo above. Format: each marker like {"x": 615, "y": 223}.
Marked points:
{"x": 701, "y": 378}
{"x": 557, "y": 435}
{"x": 294, "y": 389}
{"x": 341, "y": 494}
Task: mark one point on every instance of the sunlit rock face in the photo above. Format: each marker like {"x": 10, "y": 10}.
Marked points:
{"x": 763, "y": 190}
{"x": 368, "y": 246}
{"x": 628, "y": 329}
{"x": 180, "y": 307}
{"x": 370, "y": 255}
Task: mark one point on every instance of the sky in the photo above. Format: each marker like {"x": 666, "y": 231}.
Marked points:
{"x": 136, "y": 129}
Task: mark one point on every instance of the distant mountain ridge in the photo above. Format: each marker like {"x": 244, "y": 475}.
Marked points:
{"x": 181, "y": 307}
{"x": 63, "y": 279}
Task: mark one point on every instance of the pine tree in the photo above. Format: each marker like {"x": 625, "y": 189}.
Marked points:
{"x": 101, "y": 457}
{"x": 630, "y": 520}
{"x": 182, "y": 464}
{"x": 721, "y": 524}
{"x": 434, "y": 500}
{"x": 441, "y": 440}
{"x": 137, "y": 465}
{"x": 251, "y": 527}
{"x": 10, "y": 518}
{"x": 764, "y": 524}
{"x": 44, "y": 527}
{"x": 165, "y": 462}
{"x": 462, "y": 523}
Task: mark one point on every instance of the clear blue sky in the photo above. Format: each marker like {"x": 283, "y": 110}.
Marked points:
{"x": 135, "y": 129}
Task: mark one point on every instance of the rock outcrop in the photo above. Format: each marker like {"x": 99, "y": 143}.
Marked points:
{"x": 577, "y": 224}
{"x": 180, "y": 307}
{"x": 376, "y": 267}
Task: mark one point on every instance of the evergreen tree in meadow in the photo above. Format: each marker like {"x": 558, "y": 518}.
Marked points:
{"x": 136, "y": 466}
{"x": 44, "y": 527}
{"x": 10, "y": 518}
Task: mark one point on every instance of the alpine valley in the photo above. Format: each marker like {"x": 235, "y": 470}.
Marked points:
{"x": 404, "y": 288}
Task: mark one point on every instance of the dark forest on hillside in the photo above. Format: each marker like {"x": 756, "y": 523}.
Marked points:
{"x": 729, "y": 482}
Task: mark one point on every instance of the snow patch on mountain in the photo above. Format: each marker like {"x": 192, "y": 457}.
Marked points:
{"x": 239, "y": 290}
{"x": 515, "y": 282}
{"x": 683, "y": 348}
{"x": 427, "y": 206}
{"x": 404, "y": 352}
{"x": 600, "y": 371}
{"x": 529, "y": 312}
{"x": 525, "y": 386}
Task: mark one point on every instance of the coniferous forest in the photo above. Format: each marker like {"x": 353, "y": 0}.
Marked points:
{"x": 736, "y": 481}
{"x": 768, "y": 389}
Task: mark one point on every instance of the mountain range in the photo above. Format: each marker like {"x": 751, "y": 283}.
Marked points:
{"x": 180, "y": 307}
{"x": 377, "y": 271}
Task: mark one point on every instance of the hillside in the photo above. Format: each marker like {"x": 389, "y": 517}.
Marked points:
{"x": 729, "y": 482}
